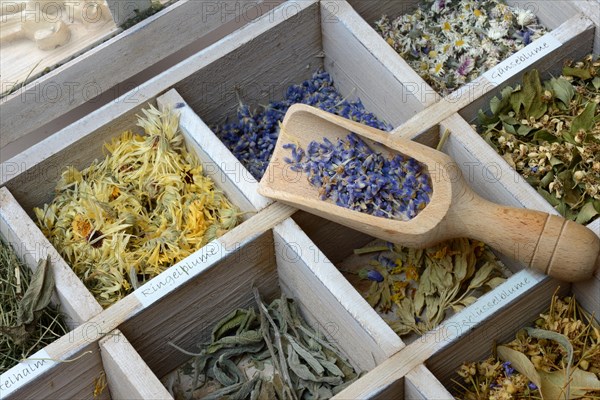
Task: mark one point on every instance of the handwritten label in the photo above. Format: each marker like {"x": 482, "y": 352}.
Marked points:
{"x": 24, "y": 372}
{"x": 180, "y": 273}
{"x": 522, "y": 59}
{"x": 488, "y": 304}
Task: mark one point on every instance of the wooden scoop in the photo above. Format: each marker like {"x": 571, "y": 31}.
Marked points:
{"x": 547, "y": 243}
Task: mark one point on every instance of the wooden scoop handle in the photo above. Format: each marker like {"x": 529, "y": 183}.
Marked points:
{"x": 547, "y": 243}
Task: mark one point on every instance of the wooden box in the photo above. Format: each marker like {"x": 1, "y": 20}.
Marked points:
{"x": 114, "y": 61}
{"x": 277, "y": 248}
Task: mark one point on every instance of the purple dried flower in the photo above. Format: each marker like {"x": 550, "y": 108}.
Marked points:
{"x": 508, "y": 370}
{"x": 372, "y": 275}
{"x": 253, "y": 136}
{"x": 532, "y": 386}
{"x": 352, "y": 175}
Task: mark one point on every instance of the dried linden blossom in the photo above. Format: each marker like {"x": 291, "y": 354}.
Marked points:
{"x": 146, "y": 206}
{"x": 564, "y": 343}
{"x": 550, "y": 133}
{"x": 415, "y": 289}
{"x": 450, "y": 43}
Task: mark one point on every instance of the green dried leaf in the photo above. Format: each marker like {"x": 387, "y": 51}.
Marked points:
{"x": 596, "y": 82}
{"x": 585, "y": 120}
{"x": 481, "y": 275}
{"x": 309, "y": 358}
{"x": 521, "y": 363}
{"x": 586, "y": 213}
{"x": 562, "y": 89}
{"x": 543, "y": 135}
{"x": 38, "y": 294}
{"x": 297, "y": 367}
{"x": 235, "y": 319}
{"x": 495, "y": 282}
{"x": 582, "y": 73}
{"x": 554, "y": 384}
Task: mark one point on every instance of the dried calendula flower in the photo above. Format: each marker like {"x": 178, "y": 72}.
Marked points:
{"x": 27, "y": 321}
{"x": 450, "y": 43}
{"x": 550, "y": 133}
{"x": 558, "y": 359}
{"x": 269, "y": 354}
{"x": 415, "y": 289}
{"x": 146, "y": 206}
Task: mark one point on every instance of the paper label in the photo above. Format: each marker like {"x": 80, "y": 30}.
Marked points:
{"x": 24, "y": 372}
{"x": 488, "y": 304}
{"x": 522, "y": 59}
{"x": 180, "y": 273}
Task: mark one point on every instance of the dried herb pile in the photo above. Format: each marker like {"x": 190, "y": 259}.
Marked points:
{"x": 253, "y": 136}
{"x": 450, "y": 43}
{"x": 415, "y": 289}
{"x": 558, "y": 359}
{"x": 27, "y": 321}
{"x": 146, "y": 206}
{"x": 354, "y": 176}
{"x": 272, "y": 354}
{"x": 550, "y": 133}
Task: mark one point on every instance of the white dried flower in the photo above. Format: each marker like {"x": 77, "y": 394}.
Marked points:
{"x": 496, "y": 30}
{"x": 524, "y": 17}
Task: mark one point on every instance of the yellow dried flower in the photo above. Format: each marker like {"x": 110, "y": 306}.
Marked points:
{"x": 143, "y": 208}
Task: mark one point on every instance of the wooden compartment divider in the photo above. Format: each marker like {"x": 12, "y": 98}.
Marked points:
{"x": 112, "y": 67}
{"x": 276, "y": 248}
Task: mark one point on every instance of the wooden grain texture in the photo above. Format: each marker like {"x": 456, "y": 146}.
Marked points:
{"x": 127, "y": 374}
{"x": 387, "y": 86}
{"x": 502, "y": 318}
{"x": 68, "y": 380}
{"x": 551, "y": 14}
{"x": 329, "y": 301}
{"x": 259, "y": 68}
{"x": 576, "y": 38}
{"x": 21, "y": 59}
{"x": 186, "y": 317}
{"x": 31, "y": 245}
{"x": 102, "y": 69}
{"x": 371, "y": 11}
{"x": 576, "y": 35}
{"x": 122, "y": 10}
{"x": 591, "y": 9}
{"x": 478, "y": 343}
{"x": 547, "y": 243}
{"x": 218, "y": 162}
{"x": 31, "y": 175}
{"x": 336, "y": 241}
{"x": 420, "y": 383}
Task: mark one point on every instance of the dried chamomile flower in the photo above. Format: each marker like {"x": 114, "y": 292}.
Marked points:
{"x": 550, "y": 133}
{"x": 269, "y": 354}
{"x": 27, "y": 320}
{"x": 415, "y": 289}
{"x": 559, "y": 358}
{"x": 354, "y": 176}
{"x": 253, "y": 136}
{"x": 143, "y": 208}
{"x": 450, "y": 43}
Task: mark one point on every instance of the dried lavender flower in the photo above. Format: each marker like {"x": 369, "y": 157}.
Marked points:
{"x": 450, "y": 43}
{"x": 354, "y": 176}
{"x": 550, "y": 133}
{"x": 252, "y": 137}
